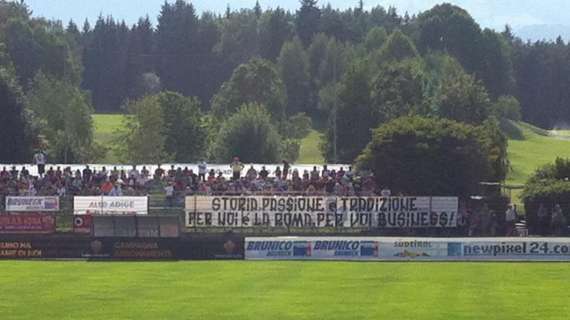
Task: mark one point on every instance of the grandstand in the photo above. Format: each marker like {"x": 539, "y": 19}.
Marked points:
{"x": 188, "y": 212}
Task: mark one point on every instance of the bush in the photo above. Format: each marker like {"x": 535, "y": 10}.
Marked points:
{"x": 423, "y": 156}
{"x": 298, "y": 126}
{"x": 550, "y": 185}
{"x": 250, "y": 135}
{"x": 507, "y": 107}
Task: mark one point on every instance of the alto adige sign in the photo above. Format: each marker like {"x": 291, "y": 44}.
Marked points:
{"x": 110, "y": 205}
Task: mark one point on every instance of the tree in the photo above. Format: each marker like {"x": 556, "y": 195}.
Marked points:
{"x": 185, "y": 135}
{"x": 239, "y": 39}
{"x": 497, "y": 70}
{"x": 293, "y": 68}
{"x": 333, "y": 25}
{"x": 176, "y": 37}
{"x": 16, "y": 136}
{"x": 334, "y": 62}
{"x": 140, "y": 60}
{"x": 398, "y": 47}
{"x": 23, "y": 49}
{"x": 450, "y": 29}
{"x": 308, "y": 20}
{"x": 422, "y": 156}
{"x": 105, "y": 59}
{"x": 350, "y": 125}
{"x": 375, "y": 39}
{"x": 507, "y": 107}
{"x": 141, "y": 139}
{"x": 255, "y": 82}
{"x": 316, "y": 51}
{"x": 146, "y": 84}
{"x": 462, "y": 97}
{"x": 399, "y": 90}
{"x": 64, "y": 112}
{"x": 250, "y": 135}
{"x": 548, "y": 186}
{"x": 181, "y": 135}
{"x": 275, "y": 29}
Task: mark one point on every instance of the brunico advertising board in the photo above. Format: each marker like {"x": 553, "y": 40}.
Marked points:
{"x": 427, "y": 249}
{"x": 321, "y": 212}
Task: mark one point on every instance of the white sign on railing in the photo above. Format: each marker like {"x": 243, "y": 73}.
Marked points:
{"x": 110, "y": 205}
{"x": 32, "y": 204}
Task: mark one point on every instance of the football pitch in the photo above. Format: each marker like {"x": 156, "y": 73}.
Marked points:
{"x": 283, "y": 290}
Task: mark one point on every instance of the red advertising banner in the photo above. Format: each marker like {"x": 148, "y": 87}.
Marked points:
{"x": 82, "y": 224}
{"x": 31, "y": 223}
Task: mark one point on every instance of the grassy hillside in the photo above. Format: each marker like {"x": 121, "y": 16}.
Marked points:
{"x": 531, "y": 148}
{"x": 283, "y": 290}
{"x": 535, "y": 148}
{"x": 310, "y": 152}
{"x": 105, "y": 127}
{"x": 107, "y": 124}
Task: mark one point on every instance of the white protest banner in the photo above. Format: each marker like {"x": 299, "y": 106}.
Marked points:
{"x": 399, "y": 212}
{"x": 110, "y": 205}
{"x": 321, "y": 212}
{"x": 32, "y": 204}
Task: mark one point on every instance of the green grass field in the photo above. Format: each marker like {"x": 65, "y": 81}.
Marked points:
{"x": 283, "y": 290}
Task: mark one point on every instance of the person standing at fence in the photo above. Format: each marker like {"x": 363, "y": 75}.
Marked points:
{"x": 169, "y": 191}
{"x": 510, "y": 220}
{"x": 558, "y": 223}
{"x": 543, "y": 221}
{"x": 237, "y": 168}
{"x": 202, "y": 170}
{"x": 286, "y": 169}
{"x": 40, "y": 162}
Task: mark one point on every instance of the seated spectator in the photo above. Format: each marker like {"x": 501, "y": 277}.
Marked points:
{"x": 116, "y": 191}
{"x": 263, "y": 174}
{"x": 314, "y": 174}
{"x": 107, "y": 187}
{"x": 145, "y": 173}
{"x": 306, "y": 175}
{"x": 212, "y": 176}
{"x": 14, "y": 173}
{"x": 134, "y": 173}
{"x": 86, "y": 174}
{"x": 158, "y": 173}
{"x": 251, "y": 174}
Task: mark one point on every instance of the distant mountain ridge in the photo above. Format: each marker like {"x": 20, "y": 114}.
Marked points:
{"x": 543, "y": 32}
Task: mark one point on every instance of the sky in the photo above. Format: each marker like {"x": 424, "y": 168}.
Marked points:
{"x": 489, "y": 13}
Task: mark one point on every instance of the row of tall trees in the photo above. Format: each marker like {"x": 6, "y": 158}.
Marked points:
{"x": 194, "y": 54}
{"x": 42, "y": 104}
{"x": 348, "y": 70}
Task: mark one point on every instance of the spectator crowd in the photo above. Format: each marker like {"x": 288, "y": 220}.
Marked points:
{"x": 177, "y": 182}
